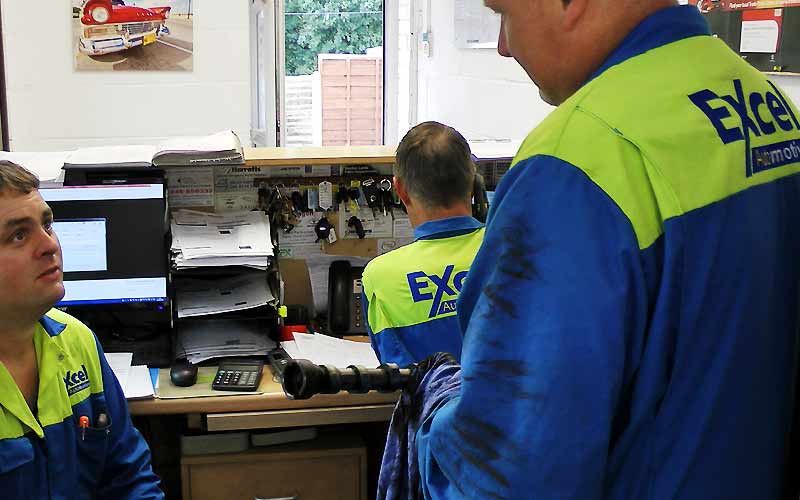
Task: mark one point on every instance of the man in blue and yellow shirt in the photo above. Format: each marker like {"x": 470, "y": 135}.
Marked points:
{"x": 410, "y": 293}
{"x": 53, "y": 374}
{"x": 631, "y": 320}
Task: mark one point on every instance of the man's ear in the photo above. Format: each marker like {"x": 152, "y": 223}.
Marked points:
{"x": 401, "y": 191}
{"x": 574, "y": 10}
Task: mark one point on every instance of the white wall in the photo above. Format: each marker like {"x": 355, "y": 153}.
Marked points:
{"x": 486, "y": 96}
{"x": 481, "y": 94}
{"x": 52, "y": 107}
{"x": 790, "y": 85}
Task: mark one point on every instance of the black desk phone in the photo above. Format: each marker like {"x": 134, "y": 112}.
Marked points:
{"x": 344, "y": 299}
{"x": 238, "y": 375}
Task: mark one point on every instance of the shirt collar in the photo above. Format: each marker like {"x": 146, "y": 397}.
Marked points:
{"x": 51, "y": 326}
{"x": 661, "y": 28}
{"x": 445, "y": 228}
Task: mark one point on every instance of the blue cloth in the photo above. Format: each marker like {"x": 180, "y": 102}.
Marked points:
{"x": 446, "y": 228}
{"x": 111, "y": 462}
{"x": 409, "y": 294}
{"x": 596, "y": 369}
{"x": 439, "y": 380}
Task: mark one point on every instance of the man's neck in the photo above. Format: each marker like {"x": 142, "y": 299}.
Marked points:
{"x": 16, "y": 338}
{"x": 419, "y": 215}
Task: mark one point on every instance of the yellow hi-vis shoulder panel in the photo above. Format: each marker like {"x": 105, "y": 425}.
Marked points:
{"x": 418, "y": 282}
{"x": 69, "y": 372}
{"x": 725, "y": 128}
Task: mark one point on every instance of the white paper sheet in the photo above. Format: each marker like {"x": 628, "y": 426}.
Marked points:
{"x": 760, "y": 37}
{"x": 112, "y": 155}
{"x": 206, "y": 339}
{"x": 140, "y": 385}
{"x": 202, "y": 297}
{"x": 190, "y": 187}
{"x": 120, "y": 363}
{"x": 199, "y": 238}
{"x": 325, "y": 350}
{"x": 401, "y": 226}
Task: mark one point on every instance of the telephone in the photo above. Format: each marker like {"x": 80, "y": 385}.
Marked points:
{"x": 345, "y": 314}
{"x": 480, "y": 201}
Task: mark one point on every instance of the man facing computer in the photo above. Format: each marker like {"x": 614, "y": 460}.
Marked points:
{"x": 410, "y": 294}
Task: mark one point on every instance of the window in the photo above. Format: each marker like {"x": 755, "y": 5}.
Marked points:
{"x": 334, "y": 77}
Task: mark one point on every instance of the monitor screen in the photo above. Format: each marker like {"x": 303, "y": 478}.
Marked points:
{"x": 112, "y": 241}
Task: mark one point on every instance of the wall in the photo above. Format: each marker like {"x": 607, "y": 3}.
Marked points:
{"x": 51, "y": 107}
{"x": 483, "y": 95}
{"x": 790, "y": 85}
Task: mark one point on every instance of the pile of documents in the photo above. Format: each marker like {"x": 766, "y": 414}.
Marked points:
{"x": 221, "y": 148}
{"x": 324, "y": 350}
{"x": 134, "y": 380}
{"x": 198, "y": 297}
{"x": 202, "y": 239}
{"x": 198, "y": 341}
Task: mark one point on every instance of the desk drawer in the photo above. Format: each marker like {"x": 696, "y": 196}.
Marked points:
{"x": 324, "y": 469}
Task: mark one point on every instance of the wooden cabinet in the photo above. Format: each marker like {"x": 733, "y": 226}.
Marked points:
{"x": 332, "y": 467}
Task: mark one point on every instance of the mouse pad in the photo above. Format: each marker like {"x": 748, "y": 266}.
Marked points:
{"x": 205, "y": 375}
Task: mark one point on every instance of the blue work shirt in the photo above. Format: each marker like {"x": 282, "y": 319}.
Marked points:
{"x": 409, "y": 294}
{"x": 631, "y": 320}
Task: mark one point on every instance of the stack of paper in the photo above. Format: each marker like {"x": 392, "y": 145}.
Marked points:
{"x": 198, "y": 341}
{"x": 197, "y": 297}
{"x": 134, "y": 380}
{"x": 222, "y": 148}
{"x": 201, "y": 239}
{"x": 325, "y": 350}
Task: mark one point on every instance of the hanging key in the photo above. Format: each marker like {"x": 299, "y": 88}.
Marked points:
{"x": 385, "y": 186}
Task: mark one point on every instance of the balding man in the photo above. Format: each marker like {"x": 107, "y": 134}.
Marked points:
{"x": 410, "y": 293}
{"x": 630, "y": 320}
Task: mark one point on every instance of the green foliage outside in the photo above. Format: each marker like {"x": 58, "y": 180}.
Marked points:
{"x": 315, "y": 33}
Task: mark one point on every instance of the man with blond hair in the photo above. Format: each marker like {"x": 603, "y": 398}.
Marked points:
{"x": 630, "y": 322}
{"x": 65, "y": 431}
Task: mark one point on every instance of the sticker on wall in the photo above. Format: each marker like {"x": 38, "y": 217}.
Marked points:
{"x": 133, "y": 35}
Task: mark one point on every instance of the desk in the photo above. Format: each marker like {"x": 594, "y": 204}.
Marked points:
{"x": 269, "y": 410}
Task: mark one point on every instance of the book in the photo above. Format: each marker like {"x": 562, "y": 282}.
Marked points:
{"x": 221, "y": 148}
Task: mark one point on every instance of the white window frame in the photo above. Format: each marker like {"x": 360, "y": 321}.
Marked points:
{"x": 268, "y": 63}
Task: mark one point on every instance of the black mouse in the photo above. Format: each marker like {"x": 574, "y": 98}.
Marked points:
{"x": 183, "y": 373}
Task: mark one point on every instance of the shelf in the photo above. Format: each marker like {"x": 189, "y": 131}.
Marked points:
{"x": 329, "y": 155}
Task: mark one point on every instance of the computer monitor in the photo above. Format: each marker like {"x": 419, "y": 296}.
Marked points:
{"x": 113, "y": 244}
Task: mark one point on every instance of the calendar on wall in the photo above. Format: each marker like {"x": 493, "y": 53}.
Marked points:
{"x": 476, "y": 26}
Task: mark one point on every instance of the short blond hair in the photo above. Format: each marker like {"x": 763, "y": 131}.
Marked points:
{"x": 16, "y": 178}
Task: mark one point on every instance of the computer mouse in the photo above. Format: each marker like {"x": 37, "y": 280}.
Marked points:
{"x": 183, "y": 373}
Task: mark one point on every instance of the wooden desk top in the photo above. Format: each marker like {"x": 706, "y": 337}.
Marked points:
{"x": 328, "y": 155}
{"x": 272, "y": 398}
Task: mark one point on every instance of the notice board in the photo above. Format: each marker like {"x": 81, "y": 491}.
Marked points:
{"x": 766, "y": 33}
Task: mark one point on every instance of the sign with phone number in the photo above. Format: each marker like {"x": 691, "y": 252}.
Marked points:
{"x": 709, "y": 5}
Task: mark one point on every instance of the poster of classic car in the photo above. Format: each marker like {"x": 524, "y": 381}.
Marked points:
{"x": 115, "y": 35}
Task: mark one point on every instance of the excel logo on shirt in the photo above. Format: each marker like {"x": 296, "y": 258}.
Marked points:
{"x": 76, "y": 381}
{"x": 759, "y": 115}
{"x": 441, "y": 290}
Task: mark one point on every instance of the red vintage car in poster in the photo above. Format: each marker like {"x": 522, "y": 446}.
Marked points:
{"x": 111, "y": 26}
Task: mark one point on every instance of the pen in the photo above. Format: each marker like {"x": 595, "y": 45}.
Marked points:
{"x": 83, "y": 423}
{"x": 102, "y": 421}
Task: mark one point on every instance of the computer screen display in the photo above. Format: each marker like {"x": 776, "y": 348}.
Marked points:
{"x": 112, "y": 242}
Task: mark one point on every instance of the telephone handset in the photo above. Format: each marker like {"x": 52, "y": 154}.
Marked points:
{"x": 480, "y": 201}
{"x": 345, "y": 314}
